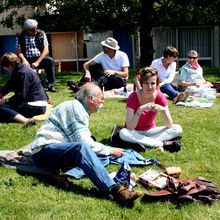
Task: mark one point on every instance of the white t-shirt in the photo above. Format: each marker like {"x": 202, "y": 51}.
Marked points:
{"x": 116, "y": 63}
{"x": 166, "y": 75}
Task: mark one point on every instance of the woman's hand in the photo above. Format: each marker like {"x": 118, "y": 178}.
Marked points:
{"x": 162, "y": 83}
{"x": 116, "y": 152}
{"x": 157, "y": 108}
{"x": 151, "y": 107}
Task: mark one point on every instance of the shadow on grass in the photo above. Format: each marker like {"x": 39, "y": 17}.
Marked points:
{"x": 62, "y": 182}
{"x": 67, "y": 184}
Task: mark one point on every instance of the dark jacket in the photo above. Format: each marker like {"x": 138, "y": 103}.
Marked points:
{"x": 39, "y": 40}
{"x": 25, "y": 84}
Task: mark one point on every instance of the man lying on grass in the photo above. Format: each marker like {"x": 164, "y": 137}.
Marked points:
{"x": 64, "y": 141}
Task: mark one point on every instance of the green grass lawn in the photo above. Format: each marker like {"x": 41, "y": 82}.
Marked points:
{"x": 28, "y": 197}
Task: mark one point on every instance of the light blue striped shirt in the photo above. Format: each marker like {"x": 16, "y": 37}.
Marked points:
{"x": 68, "y": 122}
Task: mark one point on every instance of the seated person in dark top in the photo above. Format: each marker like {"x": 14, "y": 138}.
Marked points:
{"x": 26, "y": 86}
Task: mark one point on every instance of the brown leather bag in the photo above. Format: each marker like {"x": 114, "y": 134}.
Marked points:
{"x": 187, "y": 190}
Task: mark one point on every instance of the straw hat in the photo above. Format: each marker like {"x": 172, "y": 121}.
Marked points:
{"x": 110, "y": 43}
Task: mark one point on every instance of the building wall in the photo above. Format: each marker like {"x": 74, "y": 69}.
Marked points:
{"x": 204, "y": 39}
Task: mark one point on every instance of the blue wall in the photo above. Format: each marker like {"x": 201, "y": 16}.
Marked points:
{"x": 7, "y": 44}
{"x": 125, "y": 45}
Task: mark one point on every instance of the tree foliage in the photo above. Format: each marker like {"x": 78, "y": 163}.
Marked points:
{"x": 129, "y": 15}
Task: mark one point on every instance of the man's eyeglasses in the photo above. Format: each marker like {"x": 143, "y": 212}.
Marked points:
{"x": 192, "y": 58}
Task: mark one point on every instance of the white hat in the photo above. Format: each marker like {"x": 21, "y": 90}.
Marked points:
{"x": 110, "y": 43}
{"x": 30, "y": 23}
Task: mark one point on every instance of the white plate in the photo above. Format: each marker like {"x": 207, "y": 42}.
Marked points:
{"x": 39, "y": 103}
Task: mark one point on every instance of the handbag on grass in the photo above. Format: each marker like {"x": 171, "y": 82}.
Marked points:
{"x": 186, "y": 190}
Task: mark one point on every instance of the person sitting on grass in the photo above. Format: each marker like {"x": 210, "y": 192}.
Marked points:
{"x": 114, "y": 67}
{"x": 191, "y": 75}
{"x": 166, "y": 67}
{"x": 26, "y": 86}
{"x": 142, "y": 108}
{"x": 64, "y": 141}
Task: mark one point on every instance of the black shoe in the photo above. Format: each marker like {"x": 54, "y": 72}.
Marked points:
{"x": 118, "y": 142}
{"x": 52, "y": 89}
{"x": 172, "y": 146}
{"x": 44, "y": 83}
{"x": 74, "y": 86}
{"x": 115, "y": 138}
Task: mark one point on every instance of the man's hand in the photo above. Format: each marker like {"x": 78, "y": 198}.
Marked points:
{"x": 87, "y": 76}
{"x": 109, "y": 72}
{"x": 35, "y": 64}
{"x": 116, "y": 152}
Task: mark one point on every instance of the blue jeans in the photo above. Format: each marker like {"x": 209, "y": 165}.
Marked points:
{"x": 169, "y": 90}
{"x": 48, "y": 64}
{"x": 68, "y": 155}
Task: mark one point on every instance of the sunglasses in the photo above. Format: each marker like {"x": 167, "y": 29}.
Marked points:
{"x": 192, "y": 58}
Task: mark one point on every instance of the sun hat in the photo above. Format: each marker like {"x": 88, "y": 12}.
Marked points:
{"x": 110, "y": 43}
{"x": 30, "y": 23}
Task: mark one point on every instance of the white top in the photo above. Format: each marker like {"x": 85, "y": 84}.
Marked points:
{"x": 166, "y": 75}
{"x": 116, "y": 63}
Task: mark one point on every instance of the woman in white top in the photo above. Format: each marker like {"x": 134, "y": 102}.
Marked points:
{"x": 166, "y": 67}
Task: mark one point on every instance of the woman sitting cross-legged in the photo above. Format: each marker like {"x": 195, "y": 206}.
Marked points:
{"x": 26, "y": 86}
{"x": 142, "y": 108}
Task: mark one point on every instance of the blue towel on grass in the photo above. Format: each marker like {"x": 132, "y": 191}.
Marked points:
{"x": 129, "y": 156}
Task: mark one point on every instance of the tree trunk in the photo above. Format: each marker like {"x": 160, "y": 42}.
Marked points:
{"x": 146, "y": 41}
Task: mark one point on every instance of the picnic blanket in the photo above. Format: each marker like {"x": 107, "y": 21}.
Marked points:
{"x": 119, "y": 93}
{"x": 21, "y": 160}
{"x": 197, "y": 102}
